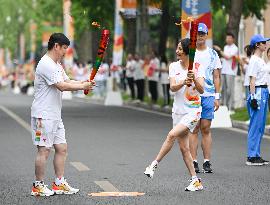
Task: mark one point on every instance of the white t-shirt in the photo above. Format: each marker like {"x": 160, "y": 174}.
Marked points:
{"x": 187, "y": 99}
{"x": 228, "y": 66}
{"x": 47, "y": 102}
{"x": 257, "y": 68}
{"x": 138, "y": 72}
{"x": 155, "y": 66}
{"x": 210, "y": 61}
{"x": 164, "y": 79}
{"x": 130, "y": 69}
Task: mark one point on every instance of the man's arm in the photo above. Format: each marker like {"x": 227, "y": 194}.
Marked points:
{"x": 199, "y": 84}
{"x": 68, "y": 86}
{"x": 227, "y": 57}
{"x": 74, "y": 81}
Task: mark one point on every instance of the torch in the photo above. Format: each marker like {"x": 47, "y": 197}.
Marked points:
{"x": 100, "y": 55}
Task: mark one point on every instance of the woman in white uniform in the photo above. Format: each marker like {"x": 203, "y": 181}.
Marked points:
{"x": 186, "y": 111}
{"x": 257, "y": 99}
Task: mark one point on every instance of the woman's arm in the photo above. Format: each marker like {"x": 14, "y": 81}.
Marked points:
{"x": 176, "y": 86}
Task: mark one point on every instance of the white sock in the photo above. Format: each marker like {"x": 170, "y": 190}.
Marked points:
{"x": 205, "y": 160}
{"x": 194, "y": 177}
{"x": 155, "y": 162}
{"x": 38, "y": 183}
{"x": 195, "y": 160}
{"x": 59, "y": 181}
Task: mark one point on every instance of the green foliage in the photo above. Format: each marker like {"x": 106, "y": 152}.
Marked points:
{"x": 219, "y": 26}
{"x": 85, "y": 12}
{"x": 251, "y": 7}
{"x": 21, "y": 13}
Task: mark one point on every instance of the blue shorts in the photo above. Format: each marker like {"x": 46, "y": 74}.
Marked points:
{"x": 208, "y": 107}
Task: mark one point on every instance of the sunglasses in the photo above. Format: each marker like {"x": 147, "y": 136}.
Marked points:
{"x": 200, "y": 33}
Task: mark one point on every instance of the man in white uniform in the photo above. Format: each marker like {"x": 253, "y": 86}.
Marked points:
{"x": 210, "y": 98}
{"x": 229, "y": 70}
{"x": 46, "y": 123}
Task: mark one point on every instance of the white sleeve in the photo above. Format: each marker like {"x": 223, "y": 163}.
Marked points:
{"x": 65, "y": 75}
{"x": 51, "y": 74}
{"x": 252, "y": 69}
{"x": 171, "y": 71}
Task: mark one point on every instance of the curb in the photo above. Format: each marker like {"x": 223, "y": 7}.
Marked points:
{"x": 168, "y": 110}
{"x": 245, "y": 125}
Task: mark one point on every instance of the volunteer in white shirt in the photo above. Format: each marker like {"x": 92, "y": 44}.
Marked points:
{"x": 46, "y": 122}
{"x": 139, "y": 77}
{"x": 130, "y": 74}
{"x": 257, "y": 100}
{"x": 164, "y": 79}
{"x": 152, "y": 75}
{"x": 229, "y": 70}
{"x": 186, "y": 110}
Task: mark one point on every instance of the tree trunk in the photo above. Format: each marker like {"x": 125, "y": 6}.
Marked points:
{"x": 164, "y": 26}
{"x": 235, "y": 17}
{"x": 131, "y": 35}
{"x": 95, "y": 43}
{"x": 84, "y": 48}
{"x": 143, "y": 27}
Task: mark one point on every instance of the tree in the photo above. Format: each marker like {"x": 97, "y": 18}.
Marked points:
{"x": 236, "y": 8}
{"x": 84, "y": 13}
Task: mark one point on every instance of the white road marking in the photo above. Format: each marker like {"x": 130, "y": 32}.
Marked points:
{"x": 106, "y": 186}
{"x": 15, "y": 117}
{"x": 80, "y": 166}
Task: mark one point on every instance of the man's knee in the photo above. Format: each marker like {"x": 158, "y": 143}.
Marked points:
{"x": 43, "y": 152}
{"x": 205, "y": 129}
{"x": 61, "y": 149}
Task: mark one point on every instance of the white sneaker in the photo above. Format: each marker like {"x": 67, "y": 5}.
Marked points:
{"x": 40, "y": 189}
{"x": 195, "y": 185}
{"x": 64, "y": 188}
{"x": 150, "y": 170}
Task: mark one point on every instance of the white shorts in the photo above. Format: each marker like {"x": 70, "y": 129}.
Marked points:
{"x": 47, "y": 132}
{"x": 190, "y": 120}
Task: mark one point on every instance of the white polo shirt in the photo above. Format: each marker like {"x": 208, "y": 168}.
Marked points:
{"x": 47, "y": 102}
{"x": 227, "y": 65}
{"x": 257, "y": 68}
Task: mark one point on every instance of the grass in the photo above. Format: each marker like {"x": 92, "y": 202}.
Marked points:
{"x": 241, "y": 114}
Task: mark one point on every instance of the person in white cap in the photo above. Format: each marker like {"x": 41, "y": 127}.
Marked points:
{"x": 210, "y": 98}
{"x": 257, "y": 99}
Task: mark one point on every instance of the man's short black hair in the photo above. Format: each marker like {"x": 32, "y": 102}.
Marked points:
{"x": 59, "y": 38}
{"x": 230, "y": 34}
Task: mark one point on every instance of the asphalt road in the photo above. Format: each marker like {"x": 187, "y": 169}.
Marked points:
{"x": 112, "y": 146}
